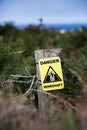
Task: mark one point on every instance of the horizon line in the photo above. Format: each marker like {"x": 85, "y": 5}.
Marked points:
{"x": 35, "y": 23}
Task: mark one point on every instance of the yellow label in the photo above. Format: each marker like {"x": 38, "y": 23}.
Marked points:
{"x": 51, "y": 73}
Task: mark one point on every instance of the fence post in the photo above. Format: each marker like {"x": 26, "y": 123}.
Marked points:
{"x": 45, "y": 104}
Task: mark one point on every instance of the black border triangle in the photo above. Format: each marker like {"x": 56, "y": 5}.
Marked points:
{"x": 57, "y": 76}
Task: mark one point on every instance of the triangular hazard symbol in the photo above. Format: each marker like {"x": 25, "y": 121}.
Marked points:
{"x": 51, "y": 76}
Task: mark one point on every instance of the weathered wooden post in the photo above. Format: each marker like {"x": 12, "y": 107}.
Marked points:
{"x": 46, "y": 106}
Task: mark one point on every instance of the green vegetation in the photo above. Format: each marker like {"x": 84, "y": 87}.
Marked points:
{"x": 17, "y": 48}
{"x": 17, "y": 58}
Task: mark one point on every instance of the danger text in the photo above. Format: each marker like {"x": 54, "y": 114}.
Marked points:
{"x": 49, "y": 61}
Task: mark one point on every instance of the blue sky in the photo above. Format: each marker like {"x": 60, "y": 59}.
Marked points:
{"x": 52, "y": 11}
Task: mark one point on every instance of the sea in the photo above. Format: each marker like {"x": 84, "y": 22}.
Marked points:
{"x": 56, "y": 27}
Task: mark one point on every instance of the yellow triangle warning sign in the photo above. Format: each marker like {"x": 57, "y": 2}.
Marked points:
{"x": 51, "y": 73}
{"x": 51, "y": 76}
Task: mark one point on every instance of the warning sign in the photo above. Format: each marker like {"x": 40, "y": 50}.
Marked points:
{"x": 51, "y": 73}
{"x": 51, "y": 76}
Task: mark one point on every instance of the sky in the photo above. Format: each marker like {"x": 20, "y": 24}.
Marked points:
{"x": 51, "y": 11}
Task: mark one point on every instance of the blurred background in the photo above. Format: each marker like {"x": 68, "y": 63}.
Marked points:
{"x": 52, "y": 13}
{"x": 26, "y": 26}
